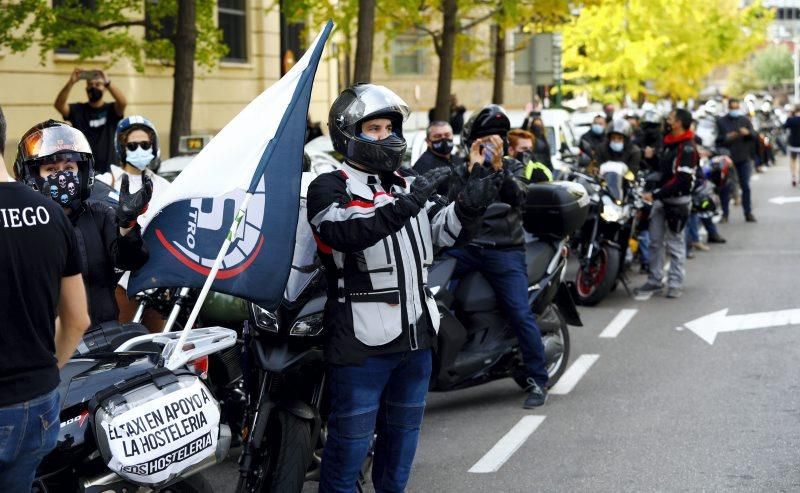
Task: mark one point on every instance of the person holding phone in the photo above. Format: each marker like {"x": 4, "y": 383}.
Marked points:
{"x": 97, "y": 120}
{"x": 498, "y": 250}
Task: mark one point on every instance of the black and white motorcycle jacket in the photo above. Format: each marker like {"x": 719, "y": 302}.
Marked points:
{"x": 376, "y": 244}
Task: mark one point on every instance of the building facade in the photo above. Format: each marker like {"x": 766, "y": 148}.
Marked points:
{"x": 257, "y": 42}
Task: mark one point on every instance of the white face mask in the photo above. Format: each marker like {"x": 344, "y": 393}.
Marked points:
{"x": 139, "y": 158}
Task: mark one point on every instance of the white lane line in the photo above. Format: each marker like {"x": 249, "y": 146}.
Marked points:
{"x": 574, "y": 373}
{"x": 510, "y": 443}
{"x": 620, "y": 321}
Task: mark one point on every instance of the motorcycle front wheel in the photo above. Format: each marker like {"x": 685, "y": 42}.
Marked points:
{"x": 594, "y": 282}
{"x": 285, "y": 457}
{"x": 194, "y": 484}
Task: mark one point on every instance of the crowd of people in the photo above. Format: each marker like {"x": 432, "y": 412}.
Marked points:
{"x": 79, "y": 189}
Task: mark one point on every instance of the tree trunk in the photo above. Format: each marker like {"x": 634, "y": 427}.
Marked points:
{"x": 499, "y": 64}
{"x": 183, "y": 80}
{"x": 364, "y": 41}
{"x": 347, "y": 67}
{"x": 446, "y": 58}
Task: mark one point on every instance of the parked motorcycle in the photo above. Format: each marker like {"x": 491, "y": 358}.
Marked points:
{"x": 603, "y": 240}
{"x": 131, "y": 424}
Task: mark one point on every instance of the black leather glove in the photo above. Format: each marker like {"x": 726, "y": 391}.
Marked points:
{"x": 479, "y": 193}
{"x": 132, "y": 205}
{"x": 426, "y": 185}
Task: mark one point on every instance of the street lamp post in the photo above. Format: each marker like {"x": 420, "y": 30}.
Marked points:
{"x": 796, "y": 60}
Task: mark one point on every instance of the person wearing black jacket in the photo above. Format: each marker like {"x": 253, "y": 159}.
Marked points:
{"x": 619, "y": 147}
{"x": 439, "y": 137}
{"x": 735, "y": 133}
{"x": 671, "y": 205}
{"x": 56, "y": 160}
{"x": 592, "y": 141}
{"x": 376, "y": 230}
{"x": 499, "y": 248}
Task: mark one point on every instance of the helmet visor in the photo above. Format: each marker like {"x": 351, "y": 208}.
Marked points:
{"x": 374, "y": 101}
{"x": 48, "y": 141}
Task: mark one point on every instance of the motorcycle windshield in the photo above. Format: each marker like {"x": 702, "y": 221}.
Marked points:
{"x": 614, "y": 185}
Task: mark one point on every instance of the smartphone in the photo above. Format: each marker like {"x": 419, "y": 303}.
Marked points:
{"x": 87, "y": 74}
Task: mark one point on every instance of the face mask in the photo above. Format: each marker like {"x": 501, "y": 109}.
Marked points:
{"x": 63, "y": 187}
{"x": 667, "y": 128}
{"x": 597, "y": 128}
{"x": 524, "y": 156}
{"x": 616, "y": 146}
{"x": 94, "y": 94}
{"x": 442, "y": 147}
{"x": 735, "y": 113}
{"x": 139, "y": 158}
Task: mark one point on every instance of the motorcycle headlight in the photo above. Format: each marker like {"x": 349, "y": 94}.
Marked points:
{"x": 611, "y": 211}
{"x": 309, "y": 326}
{"x": 264, "y": 319}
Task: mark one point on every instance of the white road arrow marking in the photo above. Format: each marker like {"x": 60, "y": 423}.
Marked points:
{"x": 707, "y": 327}
{"x": 784, "y": 200}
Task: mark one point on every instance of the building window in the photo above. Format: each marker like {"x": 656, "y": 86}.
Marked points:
{"x": 407, "y": 55}
{"x": 166, "y": 24}
{"x": 233, "y": 23}
{"x": 69, "y": 47}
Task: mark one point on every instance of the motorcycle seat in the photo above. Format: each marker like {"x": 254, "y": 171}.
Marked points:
{"x": 73, "y": 368}
{"x": 538, "y": 255}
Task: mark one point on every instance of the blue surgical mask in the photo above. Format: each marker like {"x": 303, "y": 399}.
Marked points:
{"x": 598, "y": 129}
{"x": 139, "y": 158}
{"x": 616, "y": 146}
{"x": 736, "y": 113}
{"x": 373, "y": 139}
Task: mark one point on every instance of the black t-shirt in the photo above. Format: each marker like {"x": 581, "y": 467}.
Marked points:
{"x": 793, "y": 124}
{"x": 37, "y": 249}
{"x": 99, "y": 126}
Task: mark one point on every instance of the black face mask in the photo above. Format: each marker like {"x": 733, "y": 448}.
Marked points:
{"x": 667, "y": 129}
{"x": 94, "y": 94}
{"x": 524, "y": 156}
{"x": 442, "y": 147}
{"x": 63, "y": 187}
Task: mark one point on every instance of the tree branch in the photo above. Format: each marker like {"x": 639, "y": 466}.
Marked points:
{"x": 477, "y": 21}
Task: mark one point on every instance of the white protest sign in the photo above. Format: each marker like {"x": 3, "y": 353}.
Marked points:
{"x": 161, "y": 438}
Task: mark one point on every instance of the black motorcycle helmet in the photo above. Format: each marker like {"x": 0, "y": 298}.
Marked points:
{"x": 361, "y": 103}
{"x": 490, "y": 120}
{"x": 53, "y": 141}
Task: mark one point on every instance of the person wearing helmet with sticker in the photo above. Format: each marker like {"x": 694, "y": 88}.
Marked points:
{"x": 56, "y": 160}
{"x": 376, "y": 228}
{"x": 137, "y": 147}
{"x": 618, "y": 146}
{"x": 499, "y": 249}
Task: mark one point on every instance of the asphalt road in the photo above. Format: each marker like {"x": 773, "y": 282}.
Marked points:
{"x": 658, "y": 407}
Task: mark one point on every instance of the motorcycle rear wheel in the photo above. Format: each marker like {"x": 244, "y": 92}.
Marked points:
{"x": 286, "y": 457}
{"x": 592, "y": 287}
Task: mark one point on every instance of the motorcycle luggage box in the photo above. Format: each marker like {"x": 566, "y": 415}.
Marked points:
{"x": 555, "y": 209}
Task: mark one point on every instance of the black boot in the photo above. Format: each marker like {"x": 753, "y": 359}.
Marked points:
{"x": 716, "y": 239}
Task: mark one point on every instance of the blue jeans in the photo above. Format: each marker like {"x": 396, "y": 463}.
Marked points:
{"x": 28, "y": 432}
{"x": 692, "y": 230}
{"x": 507, "y": 272}
{"x": 743, "y": 172}
{"x": 384, "y": 396}
{"x": 644, "y": 246}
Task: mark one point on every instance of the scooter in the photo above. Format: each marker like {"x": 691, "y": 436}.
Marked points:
{"x": 476, "y": 344}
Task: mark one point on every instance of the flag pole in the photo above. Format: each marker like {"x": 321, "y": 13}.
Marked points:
{"x": 237, "y": 220}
